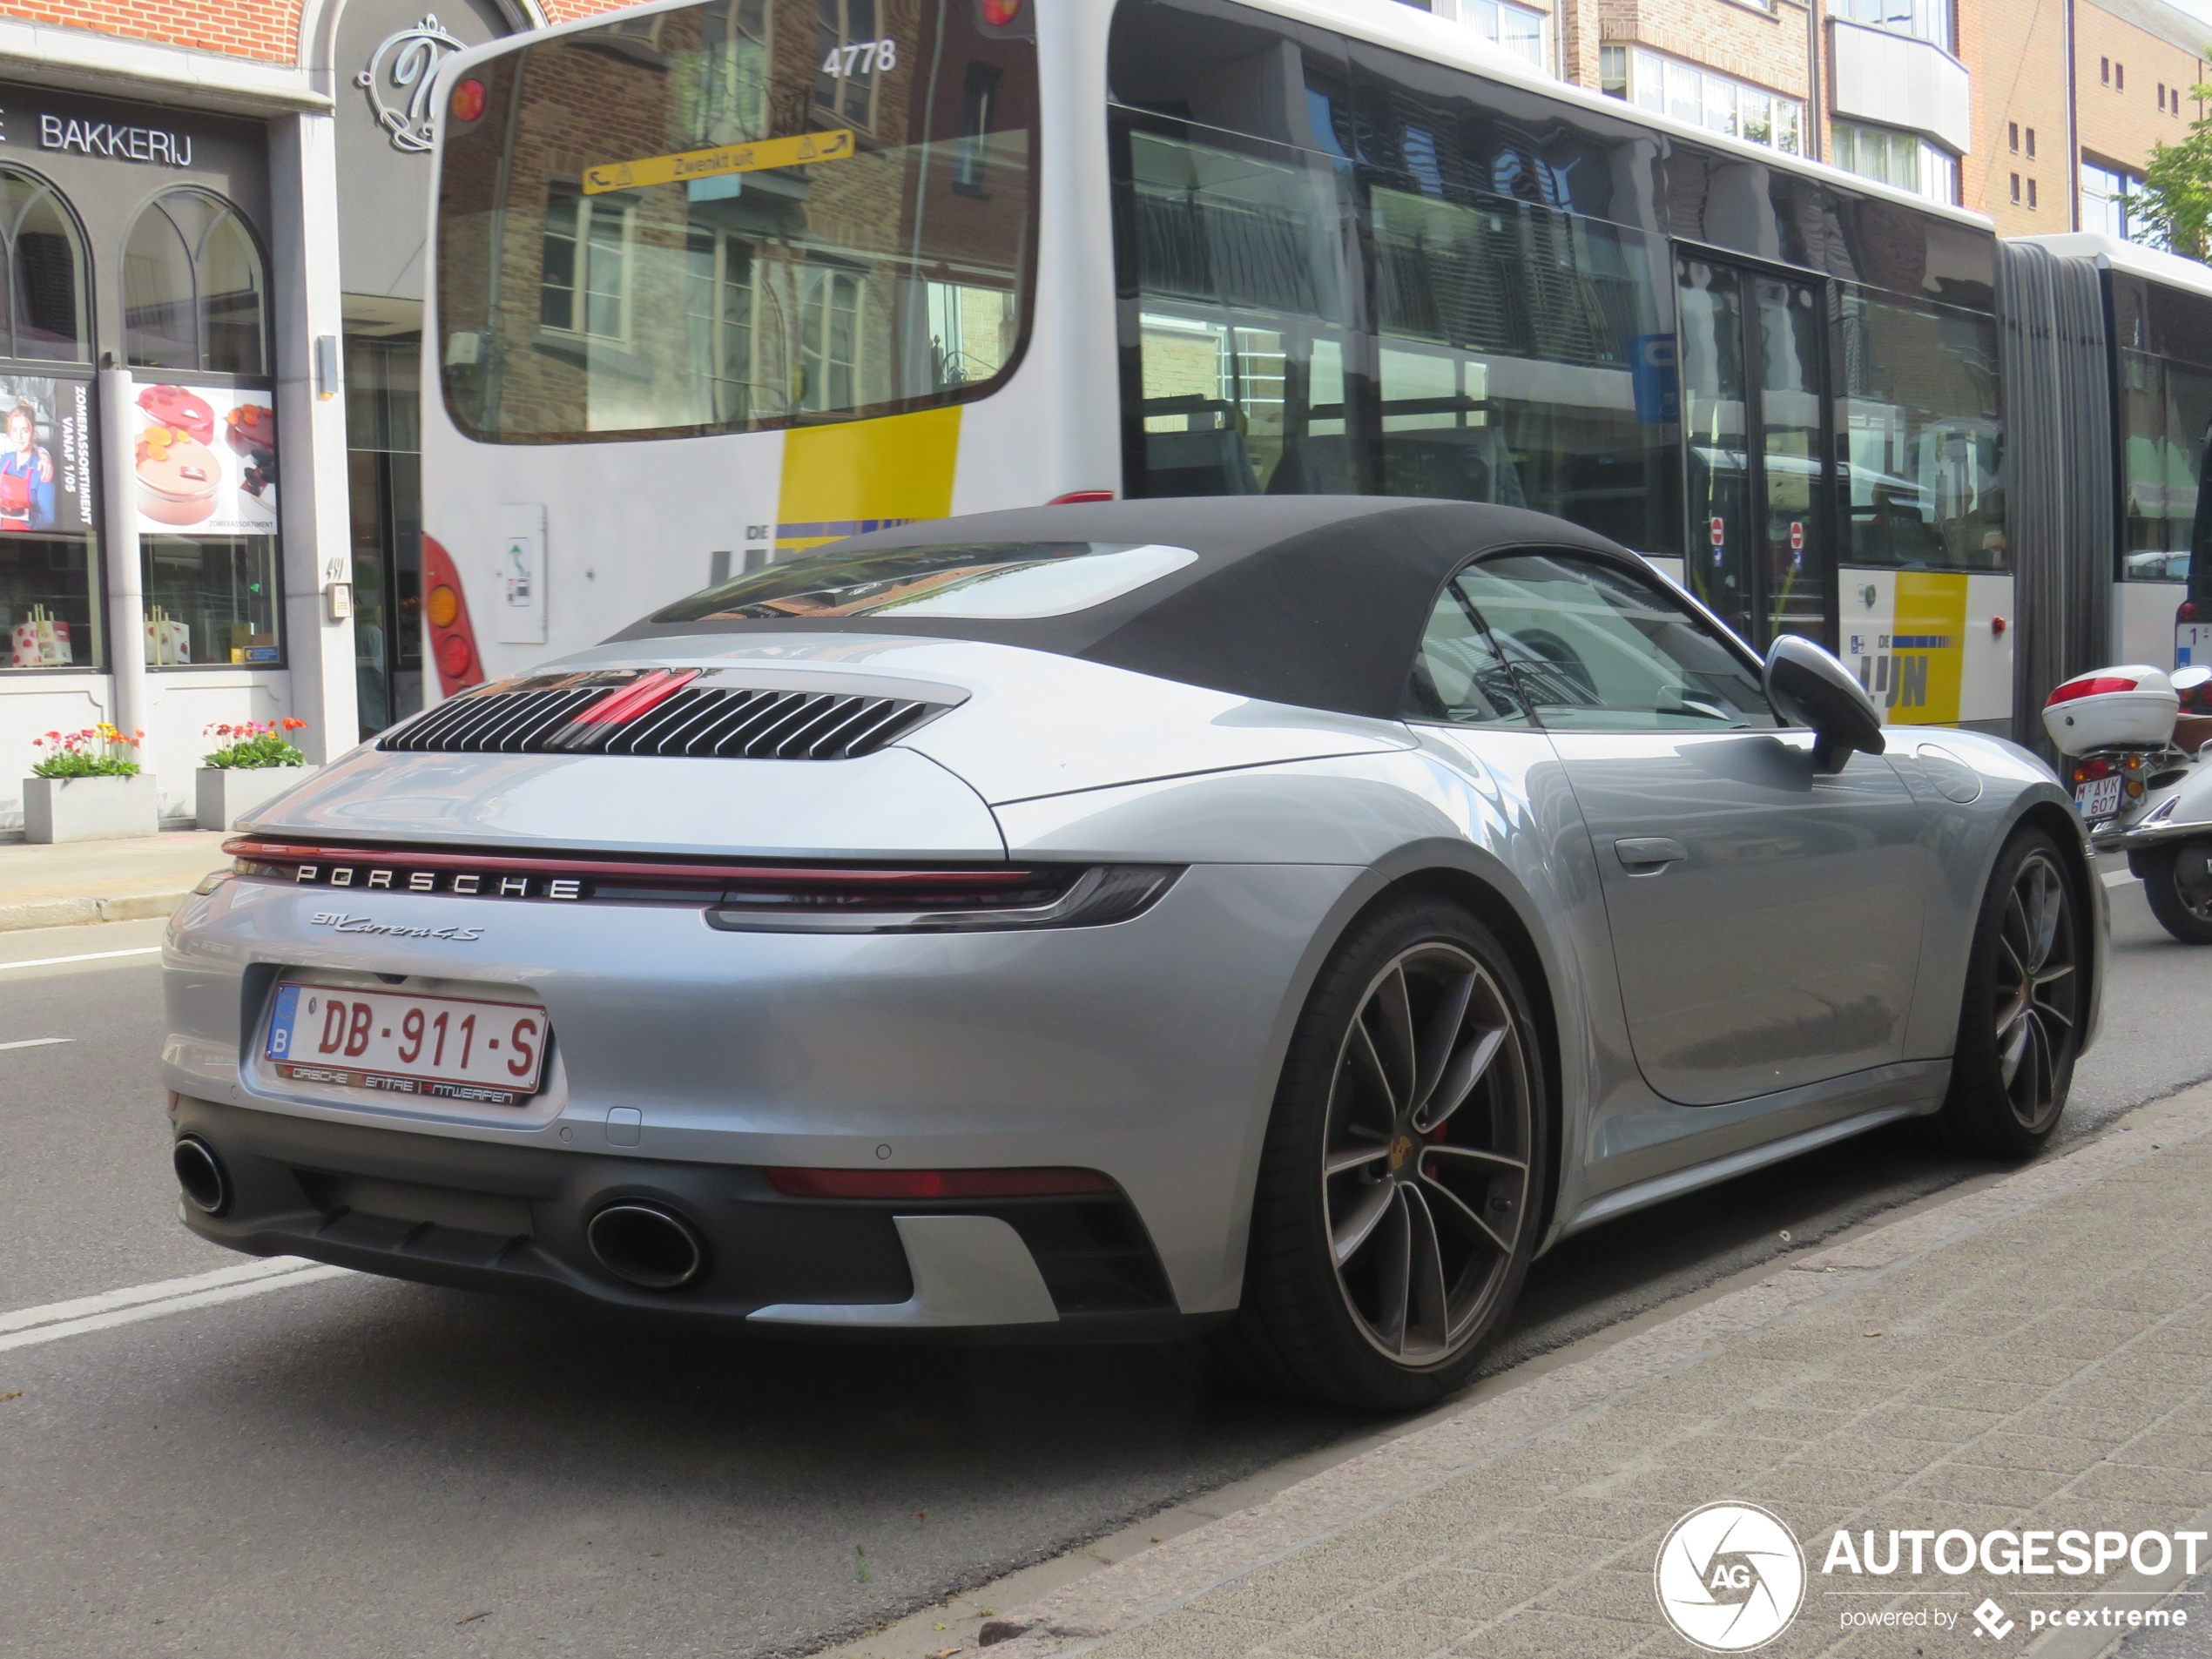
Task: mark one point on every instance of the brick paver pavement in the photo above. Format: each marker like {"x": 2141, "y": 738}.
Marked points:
{"x": 2034, "y": 1355}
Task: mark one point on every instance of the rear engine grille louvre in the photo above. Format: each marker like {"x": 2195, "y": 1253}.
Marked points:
{"x": 698, "y": 720}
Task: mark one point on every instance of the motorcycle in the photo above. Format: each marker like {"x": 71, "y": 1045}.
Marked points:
{"x": 2139, "y": 742}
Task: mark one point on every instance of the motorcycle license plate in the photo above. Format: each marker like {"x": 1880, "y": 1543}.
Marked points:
{"x": 2099, "y": 797}
{"x": 441, "y": 1047}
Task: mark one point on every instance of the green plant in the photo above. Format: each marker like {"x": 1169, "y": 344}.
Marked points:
{"x": 255, "y": 745}
{"x": 2175, "y": 202}
{"x": 98, "y": 751}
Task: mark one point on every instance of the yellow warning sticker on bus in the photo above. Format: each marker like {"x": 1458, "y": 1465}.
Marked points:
{"x": 723, "y": 159}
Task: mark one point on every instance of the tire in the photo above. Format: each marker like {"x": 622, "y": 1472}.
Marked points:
{"x": 2019, "y": 1028}
{"x": 2179, "y": 887}
{"x": 1402, "y": 1177}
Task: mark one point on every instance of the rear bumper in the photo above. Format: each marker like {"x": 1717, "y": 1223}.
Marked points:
{"x": 1147, "y": 1049}
{"x": 474, "y": 1215}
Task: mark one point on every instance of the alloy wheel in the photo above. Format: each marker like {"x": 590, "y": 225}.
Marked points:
{"x": 2038, "y": 989}
{"x": 1425, "y": 1154}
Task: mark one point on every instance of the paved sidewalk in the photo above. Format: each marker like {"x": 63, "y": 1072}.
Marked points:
{"x": 2034, "y": 1354}
{"x": 86, "y": 881}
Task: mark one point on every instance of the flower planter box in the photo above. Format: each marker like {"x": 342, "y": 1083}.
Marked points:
{"x": 89, "y": 809}
{"x": 225, "y": 794}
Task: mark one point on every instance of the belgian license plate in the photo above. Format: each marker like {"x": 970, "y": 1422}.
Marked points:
{"x": 2099, "y": 797}
{"x": 441, "y": 1047}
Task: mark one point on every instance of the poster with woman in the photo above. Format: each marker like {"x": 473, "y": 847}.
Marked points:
{"x": 206, "y": 460}
{"x": 45, "y": 462}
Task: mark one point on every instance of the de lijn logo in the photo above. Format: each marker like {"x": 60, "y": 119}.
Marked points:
{"x": 1729, "y": 1577}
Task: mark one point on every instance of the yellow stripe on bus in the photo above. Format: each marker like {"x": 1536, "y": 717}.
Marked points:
{"x": 860, "y": 476}
{"x": 601, "y": 177}
{"x": 1928, "y": 647}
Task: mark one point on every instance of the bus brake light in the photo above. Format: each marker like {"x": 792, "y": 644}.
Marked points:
{"x": 445, "y": 607}
{"x": 468, "y": 100}
{"x": 999, "y": 13}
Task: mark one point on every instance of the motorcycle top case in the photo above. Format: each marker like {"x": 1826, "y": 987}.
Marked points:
{"x": 2131, "y": 706}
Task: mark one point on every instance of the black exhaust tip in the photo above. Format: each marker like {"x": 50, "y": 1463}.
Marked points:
{"x": 199, "y": 1172}
{"x": 644, "y": 1246}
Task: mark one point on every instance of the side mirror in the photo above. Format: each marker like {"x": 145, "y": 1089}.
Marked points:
{"x": 1807, "y": 686}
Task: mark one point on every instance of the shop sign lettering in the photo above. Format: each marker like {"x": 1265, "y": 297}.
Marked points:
{"x": 119, "y": 143}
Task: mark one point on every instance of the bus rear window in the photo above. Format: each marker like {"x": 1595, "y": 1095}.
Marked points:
{"x": 735, "y": 216}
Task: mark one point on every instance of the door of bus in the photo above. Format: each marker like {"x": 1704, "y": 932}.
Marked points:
{"x": 1752, "y": 364}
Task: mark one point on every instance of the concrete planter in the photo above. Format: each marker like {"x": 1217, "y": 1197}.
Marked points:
{"x": 225, "y": 794}
{"x": 89, "y": 809}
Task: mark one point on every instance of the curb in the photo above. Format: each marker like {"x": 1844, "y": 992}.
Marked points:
{"x": 1140, "y": 1588}
{"x": 74, "y": 912}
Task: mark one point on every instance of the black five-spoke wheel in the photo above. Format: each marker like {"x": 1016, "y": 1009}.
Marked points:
{"x": 1401, "y": 1180}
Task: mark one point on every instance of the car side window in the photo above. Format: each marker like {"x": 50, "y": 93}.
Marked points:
{"x": 1458, "y": 678}
{"x": 1596, "y": 648}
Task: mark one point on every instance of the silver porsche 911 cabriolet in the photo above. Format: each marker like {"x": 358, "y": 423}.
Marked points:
{"x": 1269, "y": 919}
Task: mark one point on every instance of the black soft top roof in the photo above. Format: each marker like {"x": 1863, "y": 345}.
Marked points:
{"x": 1318, "y": 601}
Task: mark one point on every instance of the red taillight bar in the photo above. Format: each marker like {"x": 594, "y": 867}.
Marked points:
{"x": 729, "y": 875}
{"x": 2088, "y": 685}
{"x": 937, "y": 1184}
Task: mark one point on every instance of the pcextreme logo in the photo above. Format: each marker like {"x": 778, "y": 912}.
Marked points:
{"x": 1729, "y": 1577}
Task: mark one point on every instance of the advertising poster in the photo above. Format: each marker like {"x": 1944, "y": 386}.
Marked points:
{"x": 46, "y": 456}
{"x": 205, "y": 460}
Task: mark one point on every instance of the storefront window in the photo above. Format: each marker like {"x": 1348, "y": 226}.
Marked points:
{"x": 50, "y": 614}
{"x": 45, "y": 272}
{"x": 194, "y": 297}
{"x": 211, "y": 600}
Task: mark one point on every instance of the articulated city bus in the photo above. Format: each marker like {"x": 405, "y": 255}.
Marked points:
{"x": 2139, "y": 450}
{"x": 716, "y": 283}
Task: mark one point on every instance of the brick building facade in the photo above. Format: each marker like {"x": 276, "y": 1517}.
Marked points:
{"x": 217, "y": 214}
{"x": 2040, "y": 114}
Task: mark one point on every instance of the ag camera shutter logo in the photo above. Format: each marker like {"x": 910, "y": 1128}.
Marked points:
{"x": 1729, "y": 1577}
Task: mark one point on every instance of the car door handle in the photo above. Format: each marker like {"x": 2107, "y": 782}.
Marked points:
{"x": 1648, "y": 854}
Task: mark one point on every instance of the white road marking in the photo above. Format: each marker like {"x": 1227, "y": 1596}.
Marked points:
{"x": 35, "y": 1042}
{"x": 88, "y": 956}
{"x": 2120, "y": 878}
{"x": 27, "y": 1326}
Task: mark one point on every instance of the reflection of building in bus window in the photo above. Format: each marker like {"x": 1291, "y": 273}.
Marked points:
{"x": 971, "y": 331}
{"x": 1923, "y": 438}
{"x": 860, "y": 284}
{"x": 719, "y": 306}
{"x": 829, "y": 340}
{"x": 970, "y": 159}
{"x": 584, "y": 287}
{"x": 847, "y": 95}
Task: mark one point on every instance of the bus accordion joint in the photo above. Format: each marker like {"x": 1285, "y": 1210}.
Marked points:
{"x": 445, "y": 608}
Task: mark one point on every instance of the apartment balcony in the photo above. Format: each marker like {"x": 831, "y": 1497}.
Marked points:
{"x": 1895, "y": 80}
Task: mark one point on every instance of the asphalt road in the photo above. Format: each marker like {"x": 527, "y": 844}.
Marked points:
{"x": 351, "y": 1467}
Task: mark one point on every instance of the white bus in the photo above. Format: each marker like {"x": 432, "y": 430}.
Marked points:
{"x": 716, "y": 283}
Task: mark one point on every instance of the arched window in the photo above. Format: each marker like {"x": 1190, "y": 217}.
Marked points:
{"x": 45, "y": 300}
{"x": 194, "y": 295}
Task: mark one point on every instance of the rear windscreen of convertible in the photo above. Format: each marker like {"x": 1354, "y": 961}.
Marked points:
{"x": 996, "y": 580}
